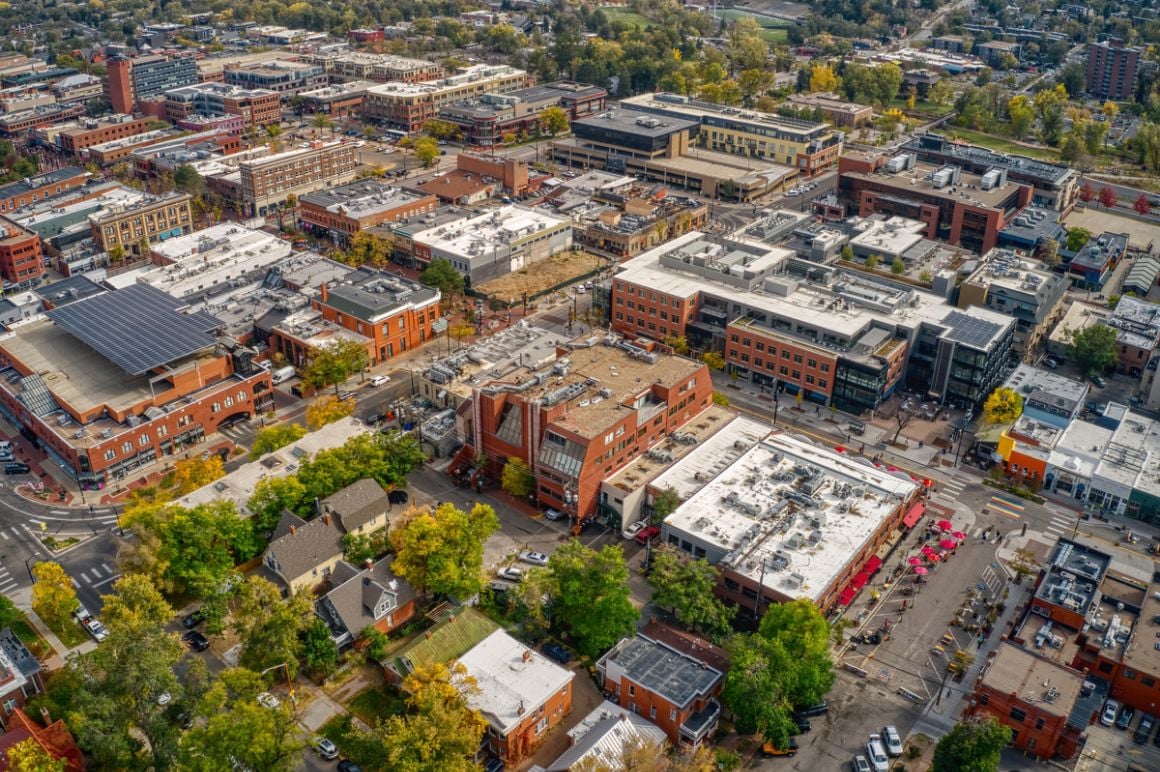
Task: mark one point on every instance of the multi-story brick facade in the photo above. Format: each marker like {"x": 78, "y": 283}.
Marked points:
{"x": 408, "y": 106}
{"x": 41, "y": 187}
{"x": 258, "y": 107}
{"x": 133, "y": 228}
{"x": 95, "y": 132}
{"x": 339, "y": 213}
{"x": 285, "y": 77}
{"x": 1112, "y": 69}
{"x": 21, "y": 259}
{"x": 18, "y": 124}
{"x": 266, "y": 183}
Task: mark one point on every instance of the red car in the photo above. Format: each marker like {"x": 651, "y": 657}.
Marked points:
{"x": 648, "y": 534}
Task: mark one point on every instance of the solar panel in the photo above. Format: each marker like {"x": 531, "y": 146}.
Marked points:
{"x": 138, "y": 328}
{"x": 36, "y": 397}
{"x": 971, "y": 330}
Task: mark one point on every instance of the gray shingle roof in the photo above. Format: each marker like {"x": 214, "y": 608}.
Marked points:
{"x": 305, "y": 546}
{"x": 357, "y": 504}
{"x": 350, "y": 606}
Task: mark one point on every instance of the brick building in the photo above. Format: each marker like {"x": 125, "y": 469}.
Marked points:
{"x": 674, "y": 690}
{"x": 21, "y": 259}
{"x": 339, "y": 213}
{"x": 266, "y": 183}
{"x": 83, "y": 390}
{"x": 20, "y": 674}
{"x": 133, "y": 228}
{"x": 838, "y": 111}
{"x": 338, "y": 99}
{"x": 19, "y": 124}
{"x": 1111, "y": 69}
{"x": 583, "y": 414}
{"x": 258, "y": 107}
{"x": 41, "y": 187}
{"x": 381, "y": 68}
{"x": 130, "y": 81}
{"x": 285, "y": 77}
{"x": 96, "y": 131}
{"x": 484, "y": 121}
{"x": 408, "y": 106}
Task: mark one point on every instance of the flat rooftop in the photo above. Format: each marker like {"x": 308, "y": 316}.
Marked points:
{"x": 677, "y": 677}
{"x": 1040, "y": 171}
{"x": 595, "y": 379}
{"x": 338, "y": 90}
{"x": 1051, "y": 687}
{"x": 660, "y": 457}
{"x": 288, "y": 155}
{"x": 1044, "y": 386}
{"x": 920, "y": 181}
{"x": 637, "y": 122}
{"x": 511, "y": 679}
{"x": 214, "y": 260}
{"x": 1074, "y": 574}
{"x": 474, "y": 74}
{"x": 223, "y": 90}
{"x": 1138, "y": 322}
{"x": 479, "y": 234}
{"x": 361, "y": 198}
{"x": 1132, "y": 458}
{"x": 1143, "y": 650}
{"x": 496, "y": 356}
{"x": 144, "y": 138}
{"x": 892, "y": 236}
{"x": 372, "y": 295}
{"x": 709, "y": 113}
{"x": 709, "y": 457}
{"x": 838, "y": 503}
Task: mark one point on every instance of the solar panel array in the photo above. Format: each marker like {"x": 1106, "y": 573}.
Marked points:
{"x": 138, "y": 328}
{"x": 36, "y": 397}
{"x": 971, "y": 330}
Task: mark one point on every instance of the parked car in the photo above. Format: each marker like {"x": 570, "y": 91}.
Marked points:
{"x": 892, "y": 740}
{"x": 634, "y": 529}
{"x": 95, "y": 628}
{"x": 769, "y": 750}
{"x": 1098, "y": 381}
{"x": 196, "y": 640}
{"x": 493, "y": 765}
{"x": 557, "y": 652}
{"x": 535, "y": 558}
{"x": 1108, "y": 717}
{"x": 193, "y": 619}
{"x": 803, "y": 725}
{"x": 876, "y": 754}
{"x": 860, "y": 764}
{"x": 81, "y": 614}
{"x": 326, "y": 749}
{"x": 511, "y": 573}
{"x": 647, "y": 534}
{"x": 553, "y": 514}
{"x": 380, "y": 380}
{"x": 1051, "y": 363}
{"x": 346, "y": 765}
{"x": 821, "y": 709}
{"x": 1126, "y": 716}
{"x": 1147, "y": 723}
{"x": 17, "y": 467}
{"x": 496, "y": 585}
{"x": 267, "y": 700}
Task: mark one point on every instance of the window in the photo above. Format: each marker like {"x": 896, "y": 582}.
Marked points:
{"x": 110, "y": 454}
{"x": 229, "y": 401}
{"x": 631, "y": 690}
{"x": 126, "y": 447}
{"x": 1105, "y": 667}
{"x": 1149, "y": 682}
{"x": 143, "y": 440}
{"x": 1017, "y": 714}
{"x": 652, "y": 712}
{"x": 216, "y": 407}
{"x": 1130, "y": 674}
{"x": 1039, "y": 724}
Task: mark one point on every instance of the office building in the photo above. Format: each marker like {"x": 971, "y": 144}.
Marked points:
{"x": 93, "y": 131}
{"x": 1020, "y": 287}
{"x": 130, "y": 81}
{"x": 407, "y": 106}
{"x": 287, "y": 78}
{"x": 132, "y": 228}
{"x": 257, "y": 107}
{"x": 833, "y": 109}
{"x": 807, "y": 146}
{"x": 380, "y": 68}
{"x": 1111, "y": 70}
{"x": 957, "y": 207}
{"x": 790, "y": 520}
{"x": 485, "y": 121}
{"x": 1049, "y": 397}
{"x": 1095, "y": 261}
{"x": 1137, "y": 325}
{"x": 114, "y": 151}
{"x": 18, "y": 124}
{"x": 101, "y": 405}
{"x": 839, "y": 337}
{"x": 339, "y": 213}
{"x": 42, "y": 187}
{"x": 338, "y": 99}
{"x": 21, "y": 260}
{"x": 266, "y": 183}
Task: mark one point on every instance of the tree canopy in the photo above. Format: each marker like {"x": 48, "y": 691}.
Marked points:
{"x": 273, "y": 437}
{"x": 328, "y": 409}
{"x": 334, "y": 362}
{"x": 591, "y": 596}
{"x": 1003, "y": 406}
{"x": 441, "y": 550}
{"x": 441, "y": 275}
{"x": 189, "y": 474}
{"x": 53, "y": 596}
{"x": 685, "y": 587}
{"x": 427, "y": 150}
{"x": 974, "y": 745}
{"x": 517, "y": 478}
{"x": 1093, "y": 348}
{"x": 269, "y": 625}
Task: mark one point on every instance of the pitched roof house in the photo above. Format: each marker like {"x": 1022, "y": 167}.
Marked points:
{"x": 20, "y": 673}
{"x": 365, "y": 597}
{"x": 601, "y": 737}
{"x": 54, "y": 738}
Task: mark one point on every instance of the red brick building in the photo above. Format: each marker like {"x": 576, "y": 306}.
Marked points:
{"x": 578, "y": 419}
{"x": 21, "y": 259}
{"x": 1035, "y": 697}
{"x": 95, "y": 132}
{"x": 17, "y": 194}
{"x": 341, "y": 212}
{"x": 674, "y": 690}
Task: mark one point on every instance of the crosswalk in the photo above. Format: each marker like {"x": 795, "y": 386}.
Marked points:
{"x": 96, "y": 576}
{"x": 7, "y": 583}
{"x": 1060, "y": 526}
{"x": 238, "y": 433}
{"x": 37, "y": 527}
{"x": 949, "y": 490}
{"x": 1007, "y": 506}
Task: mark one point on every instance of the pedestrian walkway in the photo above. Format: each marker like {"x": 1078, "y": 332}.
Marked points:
{"x": 96, "y": 576}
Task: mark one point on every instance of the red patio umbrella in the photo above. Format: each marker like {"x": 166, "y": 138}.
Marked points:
{"x": 944, "y": 525}
{"x": 948, "y": 544}
{"x": 932, "y": 556}
{"x": 960, "y": 535}
{"x": 920, "y": 570}
{"x": 914, "y": 560}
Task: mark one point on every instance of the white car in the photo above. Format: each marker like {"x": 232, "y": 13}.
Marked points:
{"x": 267, "y": 700}
{"x": 164, "y": 699}
{"x": 892, "y": 740}
{"x": 876, "y": 754}
{"x": 1111, "y": 708}
{"x": 793, "y": 192}
{"x": 535, "y": 558}
{"x": 634, "y": 529}
{"x": 511, "y": 573}
{"x": 380, "y": 380}
{"x": 95, "y": 628}
{"x": 326, "y": 749}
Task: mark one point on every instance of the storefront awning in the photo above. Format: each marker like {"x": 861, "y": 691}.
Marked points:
{"x": 859, "y": 581}
{"x": 872, "y": 565}
{"x": 847, "y": 596}
{"x": 914, "y": 515}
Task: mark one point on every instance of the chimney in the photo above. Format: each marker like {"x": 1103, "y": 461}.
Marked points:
{"x": 520, "y": 712}
{"x": 293, "y": 530}
{"x": 527, "y": 654}
{"x": 369, "y": 563}
{"x": 45, "y": 717}
{"x": 317, "y": 506}
{"x": 326, "y": 518}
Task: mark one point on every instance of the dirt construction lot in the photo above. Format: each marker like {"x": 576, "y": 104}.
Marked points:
{"x": 542, "y": 274}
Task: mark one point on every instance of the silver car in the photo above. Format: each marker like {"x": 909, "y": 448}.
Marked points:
{"x": 891, "y": 740}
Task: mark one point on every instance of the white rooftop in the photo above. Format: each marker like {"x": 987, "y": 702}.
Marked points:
{"x": 479, "y": 234}
{"x": 473, "y": 74}
{"x": 746, "y": 512}
{"x": 711, "y": 457}
{"x": 512, "y": 679}
{"x": 892, "y": 236}
{"x": 215, "y": 259}
{"x": 1078, "y": 450}
{"x": 132, "y": 141}
{"x": 1132, "y": 458}
{"x": 1028, "y": 379}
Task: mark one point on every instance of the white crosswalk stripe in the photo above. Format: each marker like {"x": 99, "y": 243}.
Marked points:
{"x": 85, "y": 576}
{"x": 5, "y": 535}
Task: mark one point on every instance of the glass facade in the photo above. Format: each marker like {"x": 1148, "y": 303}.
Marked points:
{"x": 858, "y": 387}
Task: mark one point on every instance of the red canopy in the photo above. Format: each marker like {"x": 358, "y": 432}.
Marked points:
{"x": 913, "y": 515}
{"x": 920, "y": 570}
{"x": 914, "y": 560}
{"x": 948, "y": 544}
{"x": 872, "y": 565}
{"x": 859, "y": 581}
{"x": 847, "y": 596}
{"x": 945, "y": 525}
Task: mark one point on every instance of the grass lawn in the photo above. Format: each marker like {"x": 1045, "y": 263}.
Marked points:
{"x": 70, "y": 633}
{"x": 772, "y": 30}
{"x": 627, "y": 16}
{"x": 376, "y": 702}
{"x": 1000, "y": 144}
{"x": 30, "y": 638}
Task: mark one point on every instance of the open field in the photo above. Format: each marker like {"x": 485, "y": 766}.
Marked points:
{"x": 1000, "y": 144}
{"x": 772, "y": 30}
{"x": 626, "y": 15}
{"x": 541, "y": 275}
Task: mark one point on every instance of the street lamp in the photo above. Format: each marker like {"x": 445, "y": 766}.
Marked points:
{"x": 289, "y": 683}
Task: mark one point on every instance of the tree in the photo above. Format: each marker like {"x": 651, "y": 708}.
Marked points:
{"x": 902, "y": 418}
{"x": 189, "y": 474}
{"x": 1021, "y": 113}
{"x": 1107, "y": 197}
{"x": 334, "y": 362}
{"x": 322, "y": 121}
{"x": 822, "y": 78}
{"x": 1093, "y": 348}
{"x": 1142, "y": 205}
{"x": 427, "y": 151}
{"x": 554, "y": 121}
{"x": 974, "y": 744}
{"x": 1049, "y": 107}
{"x": 187, "y": 179}
{"x": 29, "y": 756}
{"x": 441, "y": 129}
{"x": 592, "y": 596}
{"x": 784, "y": 666}
{"x": 665, "y": 504}
{"x": 941, "y": 93}
{"x": 713, "y": 360}
{"x": 441, "y": 275}
{"x": 1048, "y": 251}
{"x": 273, "y": 437}
{"x": 872, "y": 261}
{"x": 268, "y": 625}
{"x": 1072, "y": 80}
{"x": 460, "y": 330}
{"x": 1003, "y": 406}
{"x": 898, "y": 267}
{"x": 271, "y": 497}
{"x": 685, "y": 587}
{"x": 1024, "y": 564}
{"x": 319, "y": 652}
{"x": 236, "y": 732}
{"x": 328, "y": 409}
{"x": 367, "y": 248}
{"x": 517, "y": 478}
{"x": 441, "y": 551}
{"x": 441, "y": 731}
{"x": 1087, "y": 192}
{"x": 1077, "y": 237}
{"x": 53, "y": 596}
{"x": 1110, "y": 110}
{"x": 386, "y": 457}
{"x": 678, "y": 344}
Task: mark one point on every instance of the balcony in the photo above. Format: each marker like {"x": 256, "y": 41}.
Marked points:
{"x": 702, "y": 724}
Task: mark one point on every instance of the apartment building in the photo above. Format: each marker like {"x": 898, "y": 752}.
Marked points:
{"x": 21, "y": 259}
{"x": 257, "y": 107}
{"x": 133, "y": 228}
{"x": 381, "y": 68}
{"x": 339, "y": 213}
{"x": 838, "y": 337}
{"x": 266, "y": 183}
{"x": 1021, "y": 287}
{"x": 130, "y": 81}
{"x": 407, "y": 106}
{"x": 287, "y": 78}
{"x": 101, "y": 405}
{"x": 484, "y": 121}
{"x": 834, "y": 109}
{"x": 93, "y": 131}
{"x": 14, "y": 195}
{"x": 19, "y": 124}
{"x": 807, "y": 146}
{"x": 338, "y": 99}
{"x": 1111, "y": 69}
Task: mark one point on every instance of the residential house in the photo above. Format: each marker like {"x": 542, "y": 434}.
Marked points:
{"x": 362, "y": 598}
{"x": 53, "y": 738}
{"x": 20, "y": 675}
{"x": 600, "y": 739}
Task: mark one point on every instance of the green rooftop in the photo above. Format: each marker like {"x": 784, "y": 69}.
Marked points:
{"x": 449, "y": 639}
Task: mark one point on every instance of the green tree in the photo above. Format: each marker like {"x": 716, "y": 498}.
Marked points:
{"x": 847, "y": 253}
{"x": 974, "y": 744}
{"x": 236, "y": 732}
{"x": 29, "y": 756}
{"x": 273, "y": 437}
{"x": 387, "y": 458}
{"x": 427, "y": 151}
{"x": 328, "y": 409}
{"x": 187, "y": 179}
{"x": 319, "y": 652}
{"x": 53, "y": 596}
{"x": 713, "y": 360}
{"x": 685, "y": 587}
{"x": 1049, "y": 105}
{"x": 1003, "y": 406}
{"x": 1093, "y": 348}
{"x": 1072, "y": 79}
{"x": 268, "y": 625}
{"x": 665, "y": 503}
{"x": 334, "y": 362}
{"x": 554, "y": 121}
{"x": 441, "y": 550}
{"x": 517, "y": 479}
{"x": 678, "y": 344}
{"x": 189, "y": 474}
{"x": 367, "y": 248}
{"x": 898, "y": 267}
{"x": 872, "y": 261}
{"x": 441, "y": 129}
{"x": 592, "y": 597}
{"x": 1077, "y": 237}
{"x": 272, "y": 496}
{"x": 441, "y": 275}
